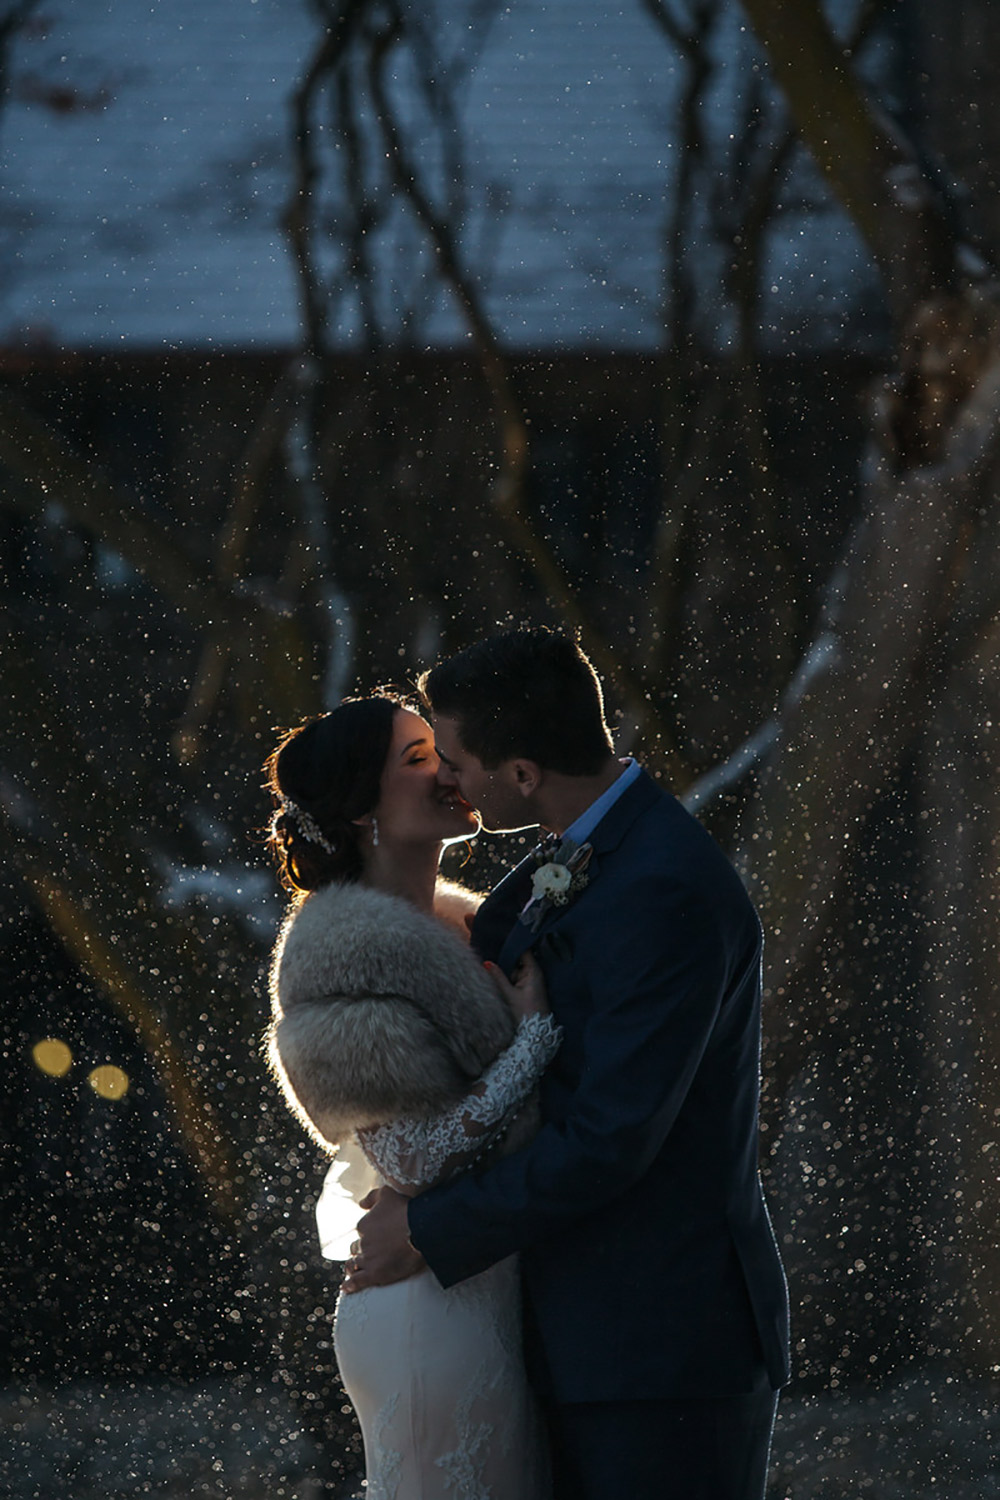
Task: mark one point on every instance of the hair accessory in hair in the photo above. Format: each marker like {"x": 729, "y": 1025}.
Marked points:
{"x": 308, "y": 827}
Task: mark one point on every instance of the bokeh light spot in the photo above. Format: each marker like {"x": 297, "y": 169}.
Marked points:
{"x": 108, "y": 1081}
{"x": 52, "y": 1056}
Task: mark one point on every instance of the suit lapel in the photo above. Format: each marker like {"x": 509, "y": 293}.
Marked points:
{"x": 518, "y": 939}
{"x": 633, "y": 802}
{"x": 497, "y": 917}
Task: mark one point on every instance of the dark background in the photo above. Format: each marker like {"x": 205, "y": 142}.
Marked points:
{"x": 780, "y": 553}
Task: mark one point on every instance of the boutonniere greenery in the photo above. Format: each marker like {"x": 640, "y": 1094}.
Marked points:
{"x": 560, "y": 874}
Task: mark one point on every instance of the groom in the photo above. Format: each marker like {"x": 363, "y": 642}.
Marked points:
{"x": 656, "y": 1308}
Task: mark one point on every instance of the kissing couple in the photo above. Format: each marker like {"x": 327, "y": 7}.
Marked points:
{"x": 566, "y": 1286}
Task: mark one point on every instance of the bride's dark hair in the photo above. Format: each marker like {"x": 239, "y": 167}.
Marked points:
{"x": 323, "y": 775}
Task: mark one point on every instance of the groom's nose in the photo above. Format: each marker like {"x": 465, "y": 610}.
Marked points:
{"x": 446, "y": 777}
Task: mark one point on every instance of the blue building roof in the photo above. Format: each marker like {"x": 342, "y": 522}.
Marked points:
{"x": 146, "y": 163}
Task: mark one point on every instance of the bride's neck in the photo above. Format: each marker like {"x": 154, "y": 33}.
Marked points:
{"x": 409, "y": 871}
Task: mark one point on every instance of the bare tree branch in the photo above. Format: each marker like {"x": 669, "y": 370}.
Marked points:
{"x": 841, "y": 738}
{"x": 10, "y": 24}
{"x": 34, "y": 451}
{"x": 88, "y": 867}
{"x": 868, "y": 167}
{"x": 299, "y": 215}
{"x": 509, "y": 489}
{"x": 683, "y": 33}
{"x": 210, "y": 675}
{"x": 79, "y": 931}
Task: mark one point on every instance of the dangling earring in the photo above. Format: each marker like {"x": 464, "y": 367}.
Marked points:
{"x": 374, "y": 833}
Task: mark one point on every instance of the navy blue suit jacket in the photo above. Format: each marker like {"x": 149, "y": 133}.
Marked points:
{"x": 649, "y": 1263}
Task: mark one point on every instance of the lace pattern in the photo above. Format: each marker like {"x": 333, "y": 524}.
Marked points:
{"x": 416, "y": 1358}
{"x": 438, "y": 1382}
{"x": 385, "y": 1470}
{"x": 411, "y": 1153}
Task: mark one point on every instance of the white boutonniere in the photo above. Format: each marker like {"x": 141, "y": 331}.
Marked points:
{"x": 561, "y": 875}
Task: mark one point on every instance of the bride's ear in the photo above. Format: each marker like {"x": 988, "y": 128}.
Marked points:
{"x": 369, "y": 821}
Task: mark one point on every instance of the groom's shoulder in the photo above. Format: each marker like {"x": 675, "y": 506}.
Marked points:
{"x": 649, "y": 815}
{"x": 667, "y": 841}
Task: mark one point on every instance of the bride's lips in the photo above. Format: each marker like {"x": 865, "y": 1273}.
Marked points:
{"x": 453, "y": 802}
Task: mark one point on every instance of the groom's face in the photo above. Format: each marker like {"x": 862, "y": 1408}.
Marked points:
{"x": 498, "y": 796}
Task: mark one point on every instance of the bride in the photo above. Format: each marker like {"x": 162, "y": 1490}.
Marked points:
{"x": 387, "y": 1033}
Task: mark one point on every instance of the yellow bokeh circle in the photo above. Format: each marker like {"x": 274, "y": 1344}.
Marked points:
{"x": 108, "y": 1081}
{"x": 52, "y": 1056}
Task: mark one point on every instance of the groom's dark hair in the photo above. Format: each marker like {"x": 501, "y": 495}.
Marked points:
{"x": 529, "y": 693}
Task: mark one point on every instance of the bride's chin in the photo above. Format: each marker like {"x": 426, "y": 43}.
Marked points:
{"x": 464, "y": 827}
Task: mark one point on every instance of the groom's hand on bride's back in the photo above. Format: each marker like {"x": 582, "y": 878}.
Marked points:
{"x": 385, "y": 1254}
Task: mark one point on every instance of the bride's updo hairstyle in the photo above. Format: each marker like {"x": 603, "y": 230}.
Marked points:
{"x": 323, "y": 775}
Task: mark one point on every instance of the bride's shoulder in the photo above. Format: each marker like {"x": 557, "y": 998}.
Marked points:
{"x": 352, "y": 919}
{"x": 347, "y": 908}
{"x": 351, "y": 935}
{"x": 453, "y": 903}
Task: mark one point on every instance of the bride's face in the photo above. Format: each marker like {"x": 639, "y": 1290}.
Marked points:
{"x": 413, "y": 807}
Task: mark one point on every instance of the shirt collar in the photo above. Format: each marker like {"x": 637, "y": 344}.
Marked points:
{"x": 585, "y": 824}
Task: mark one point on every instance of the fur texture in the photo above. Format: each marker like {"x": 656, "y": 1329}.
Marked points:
{"x": 378, "y": 1010}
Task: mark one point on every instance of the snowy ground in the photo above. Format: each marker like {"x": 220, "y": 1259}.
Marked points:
{"x": 930, "y": 1437}
{"x": 210, "y": 1441}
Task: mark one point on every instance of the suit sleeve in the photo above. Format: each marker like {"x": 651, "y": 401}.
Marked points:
{"x": 653, "y": 1005}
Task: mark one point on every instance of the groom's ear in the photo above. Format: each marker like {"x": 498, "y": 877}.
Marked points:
{"x": 527, "y": 776}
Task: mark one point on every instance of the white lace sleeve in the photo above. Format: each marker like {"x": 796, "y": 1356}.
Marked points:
{"x": 415, "y": 1153}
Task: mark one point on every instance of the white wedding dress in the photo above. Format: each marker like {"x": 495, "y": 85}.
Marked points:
{"x": 436, "y": 1377}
